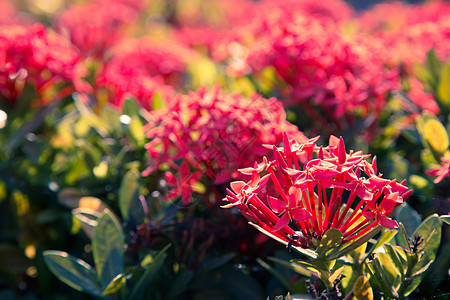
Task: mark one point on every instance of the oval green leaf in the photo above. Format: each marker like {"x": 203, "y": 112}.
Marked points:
{"x": 108, "y": 247}
{"x": 73, "y": 271}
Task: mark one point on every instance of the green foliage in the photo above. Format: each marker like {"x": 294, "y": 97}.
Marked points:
{"x": 73, "y": 271}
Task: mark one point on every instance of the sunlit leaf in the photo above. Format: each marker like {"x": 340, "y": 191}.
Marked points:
{"x": 115, "y": 285}
{"x": 73, "y": 272}
{"x": 331, "y": 239}
{"x": 108, "y": 247}
{"x": 445, "y": 218}
{"x": 430, "y": 231}
{"x": 443, "y": 88}
{"x": 436, "y": 135}
{"x": 129, "y": 202}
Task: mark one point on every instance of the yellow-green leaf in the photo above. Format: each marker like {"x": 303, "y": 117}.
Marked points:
{"x": 436, "y": 135}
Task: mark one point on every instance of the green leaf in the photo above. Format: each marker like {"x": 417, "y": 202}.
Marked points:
{"x": 115, "y": 285}
{"x": 445, "y": 218}
{"x": 348, "y": 247}
{"x": 130, "y": 107}
{"x": 330, "y": 240}
{"x": 395, "y": 258}
{"x": 88, "y": 218}
{"x": 93, "y": 155}
{"x": 409, "y": 217}
{"x": 240, "y": 285}
{"x": 108, "y": 247}
{"x": 276, "y": 274}
{"x": 211, "y": 264}
{"x": 91, "y": 118}
{"x": 433, "y": 64}
{"x": 402, "y": 239}
{"x": 299, "y": 266}
{"x": 136, "y": 131}
{"x": 443, "y": 88}
{"x": 145, "y": 279}
{"x": 381, "y": 276}
{"x": 129, "y": 203}
{"x": 158, "y": 102}
{"x": 430, "y": 230}
{"x": 73, "y": 271}
{"x": 385, "y": 237}
{"x": 180, "y": 284}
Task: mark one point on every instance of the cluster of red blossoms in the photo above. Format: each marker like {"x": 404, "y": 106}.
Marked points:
{"x": 410, "y": 31}
{"x": 308, "y": 189}
{"x": 34, "y": 55}
{"x": 321, "y": 66}
{"x": 155, "y": 66}
{"x": 96, "y": 26}
{"x": 214, "y": 133}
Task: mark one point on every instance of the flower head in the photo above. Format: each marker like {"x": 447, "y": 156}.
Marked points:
{"x": 214, "y": 132}
{"x": 307, "y": 190}
{"x": 96, "y": 26}
{"x": 336, "y": 77}
{"x": 33, "y": 55}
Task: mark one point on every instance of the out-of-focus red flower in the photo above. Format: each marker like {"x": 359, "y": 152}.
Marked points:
{"x": 441, "y": 172}
{"x": 7, "y": 11}
{"x": 215, "y": 133}
{"x": 307, "y": 189}
{"x": 321, "y": 66}
{"x": 410, "y": 31}
{"x": 96, "y": 26}
{"x": 140, "y": 68}
{"x": 33, "y": 55}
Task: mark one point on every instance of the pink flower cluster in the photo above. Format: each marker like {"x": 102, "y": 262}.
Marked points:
{"x": 34, "y": 55}
{"x": 410, "y": 31}
{"x": 307, "y": 189}
{"x": 321, "y": 66}
{"x": 96, "y": 26}
{"x": 142, "y": 67}
{"x": 213, "y": 133}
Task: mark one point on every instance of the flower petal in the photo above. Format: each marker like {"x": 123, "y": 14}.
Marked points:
{"x": 387, "y": 222}
{"x": 284, "y": 220}
{"x": 276, "y": 205}
{"x": 300, "y": 214}
{"x": 236, "y": 186}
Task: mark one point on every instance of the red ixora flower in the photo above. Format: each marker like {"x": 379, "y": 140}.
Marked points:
{"x": 37, "y": 56}
{"x": 96, "y": 26}
{"x": 307, "y": 190}
{"x": 337, "y": 78}
{"x": 214, "y": 133}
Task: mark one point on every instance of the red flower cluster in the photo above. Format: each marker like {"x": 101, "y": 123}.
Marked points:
{"x": 410, "y": 31}
{"x": 33, "y": 55}
{"x": 155, "y": 66}
{"x": 303, "y": 190}
{"x": 96, "y": 26}
{"x": 213, "y": 133}
{"x": 319, "y": 63}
